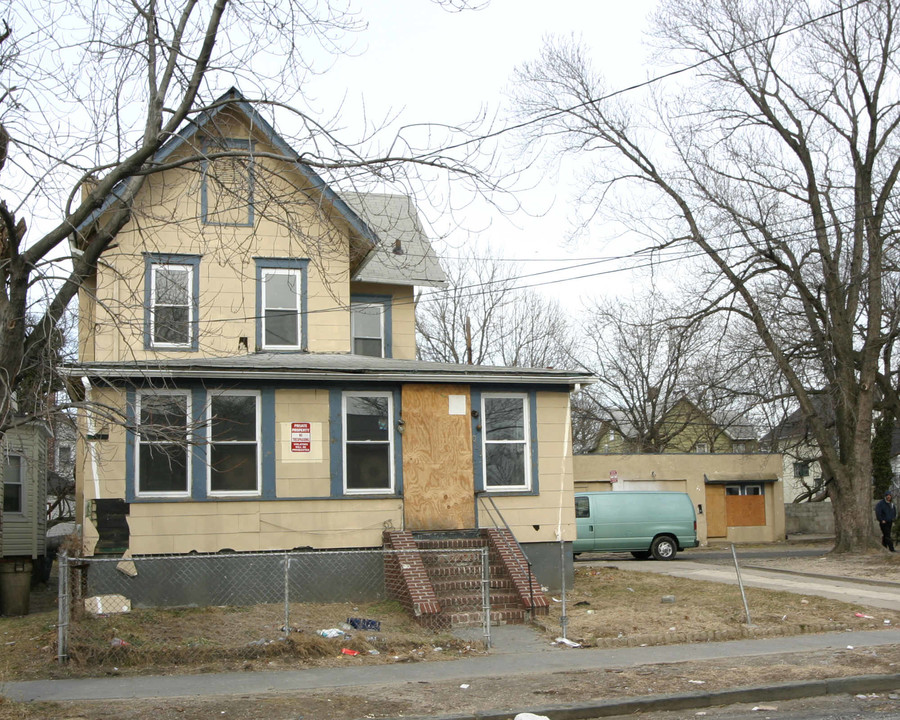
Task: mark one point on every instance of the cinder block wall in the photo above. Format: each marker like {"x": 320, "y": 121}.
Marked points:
{"x": 808, "y": 518}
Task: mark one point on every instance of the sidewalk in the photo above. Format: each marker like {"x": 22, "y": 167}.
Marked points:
{"x": 508, "y": 658}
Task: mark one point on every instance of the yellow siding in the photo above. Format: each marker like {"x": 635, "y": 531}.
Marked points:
{"x": 302, "y": 474}
{"x": 264, "y": 525}
{"x": 167, "y": 220}
{"x": 553, "y": 511}
{"x": 403, "y": 316}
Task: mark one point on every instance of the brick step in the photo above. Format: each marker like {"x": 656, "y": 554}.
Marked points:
{"x": 455, "y": 544}
{"x": 498, "y": 600}
{"x": 463, "y": 571}
{"x": 498, "y": 617}
{"x": 449, "y": 585}
{"x": 443, "y": 557}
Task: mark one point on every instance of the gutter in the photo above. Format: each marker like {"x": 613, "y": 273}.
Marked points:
{"x": 325, "y": 375}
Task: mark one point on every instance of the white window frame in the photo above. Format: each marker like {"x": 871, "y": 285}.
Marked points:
{"x": 526, "y": 442}
{"x": 701, "y": 448}
{"x": 23, "y": 503}
{"x": 739, "y": 448}
{"x": 138, "y": 443}
{"x": 191, "y": 319}
{"x": 392, "y": 473}
{"x": 210, "y": 441}
{"x": 354, "y": 335}
{"x": 297, "y": 309}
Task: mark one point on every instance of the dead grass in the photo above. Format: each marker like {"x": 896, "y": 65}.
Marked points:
{"x": 609, "y": 607}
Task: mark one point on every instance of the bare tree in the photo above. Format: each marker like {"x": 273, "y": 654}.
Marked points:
{"x": 641, "y": 356}
{"x": 779, "y": 164}
{"x": 90, "y": 94}
{"x": 482, "y": 318}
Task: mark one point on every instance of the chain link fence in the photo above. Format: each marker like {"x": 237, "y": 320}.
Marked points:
{"x": 196, "y": 608}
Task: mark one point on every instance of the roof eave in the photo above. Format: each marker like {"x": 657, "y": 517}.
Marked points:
{"x": 115, "y": 373}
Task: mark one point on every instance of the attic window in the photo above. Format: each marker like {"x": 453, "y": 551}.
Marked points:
{"x": 227, "y": 187}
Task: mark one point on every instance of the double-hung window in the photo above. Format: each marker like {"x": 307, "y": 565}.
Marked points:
{"x": 367, "y": 328}
{"x": 172, "y": 289}
{"x": 506, "y": 441}
{"x": 281, "y": 293}
{"x": 14, "y": 485}
{"x": 281, "y": 303}
{"x": 163, "y": 443}
{"x": 233, "y": 434}
{"x": 368, "y": 442}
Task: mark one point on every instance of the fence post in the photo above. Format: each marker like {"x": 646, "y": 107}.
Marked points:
{"x": 62, "y": 620}
{"x": 287, "y": 594}
{"x": 486, "y": 595}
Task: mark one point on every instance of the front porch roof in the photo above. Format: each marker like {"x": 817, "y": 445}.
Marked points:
{"x": 325, "y": 367}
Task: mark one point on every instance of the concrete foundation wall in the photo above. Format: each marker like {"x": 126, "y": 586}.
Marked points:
{"x": 546, "y": 560}
{"x": 251, "y": 579}
{"x": 236, "y": 580}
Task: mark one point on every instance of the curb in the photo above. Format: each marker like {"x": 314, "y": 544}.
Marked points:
{"x": 687, "y": 701}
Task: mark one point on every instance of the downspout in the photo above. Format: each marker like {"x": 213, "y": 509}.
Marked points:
{"x": 90, "y": 448}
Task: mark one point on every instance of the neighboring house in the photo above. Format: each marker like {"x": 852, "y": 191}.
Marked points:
{"x": 802, "y": 473}
{"x": 684, "y": 427}
{"x": 24, "y": 492}
{"x": 714, "y": 457}
{"x": 257, "y": 332}
{"x": 61, "y": 479}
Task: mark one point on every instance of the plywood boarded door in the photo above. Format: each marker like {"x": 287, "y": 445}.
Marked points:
{"x": 716, "y": 522}
{"x": 438, "y": 481}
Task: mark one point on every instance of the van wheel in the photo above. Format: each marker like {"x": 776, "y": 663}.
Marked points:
{"x": 642, "y": 555}
{"x": 664, "y": 548}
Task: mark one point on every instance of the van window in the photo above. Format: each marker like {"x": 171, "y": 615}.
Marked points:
{"x": 582, "y": 507}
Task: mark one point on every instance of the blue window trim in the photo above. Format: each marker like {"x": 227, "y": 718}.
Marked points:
{"x": 336, "y": 442}
{"x": 193, "y": 261}
{"x": 386, "y": 301}
{"x": 199, "y": 451}
{"x": 220, "y": 145}
{"x": 300, "y": 264}
{"x": 478, "y": 445}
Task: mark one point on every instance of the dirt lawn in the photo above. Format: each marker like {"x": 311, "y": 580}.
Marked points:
{"x": 608, "y": 607}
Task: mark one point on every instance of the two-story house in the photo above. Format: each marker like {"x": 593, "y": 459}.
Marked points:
{"x": 249, "y": 346}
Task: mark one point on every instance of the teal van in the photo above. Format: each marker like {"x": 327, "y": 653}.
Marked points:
{"x": 643, "y": 523}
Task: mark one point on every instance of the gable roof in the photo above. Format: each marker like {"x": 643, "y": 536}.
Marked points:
{"x": 734, "y": 425}
{"x": 404, "y": 256}
{"x": 229, "y": 100}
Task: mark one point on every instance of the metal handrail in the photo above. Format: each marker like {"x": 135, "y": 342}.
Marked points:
{"x": 483, "y": 496}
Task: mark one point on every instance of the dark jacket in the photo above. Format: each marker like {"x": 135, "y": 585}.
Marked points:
{"x": 885, "y": 511}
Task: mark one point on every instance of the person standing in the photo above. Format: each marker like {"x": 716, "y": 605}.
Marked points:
{"x": 885, "y": 514}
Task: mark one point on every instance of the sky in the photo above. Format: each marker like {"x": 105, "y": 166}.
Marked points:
{"x": 425, "y": 64}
